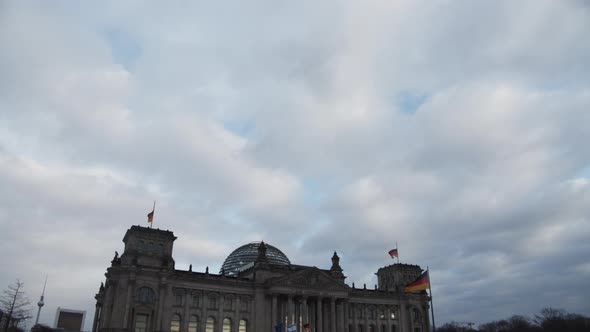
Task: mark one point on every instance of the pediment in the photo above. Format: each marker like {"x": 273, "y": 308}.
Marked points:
{"x": 310, "y": 278}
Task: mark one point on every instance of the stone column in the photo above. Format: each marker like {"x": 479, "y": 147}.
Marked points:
{"x": 388, "y": 311}
{"x": 339, "y": 316}
{"x": 204, "y": 305}
{"x": 366, "y": 314}
{"x": 186, "y": 316}
{"x": 402, "y": 317}
{"x": 354, "y": 317}
{"x": 220, "y": 305}
{"x": 319, "y": 327}
{"x": 160, "y": 305}
{"x": 128, "y": 297}
{"x": 290, "y": 311}
{"x": 426, "y": 317}
{"x": 311, "y": 314}
{"x": 305, "y": 310}
{"x": 346, "y": 315}
{"x": 297, "y": 311}
{"x": 108, "y": 304}
{"x": 237, "y": 310}
{"x": 333, "y": 314}
{"x": 281, "y": 308}
{"x": 96, "y": 318}
{"x": 273, "y": 314}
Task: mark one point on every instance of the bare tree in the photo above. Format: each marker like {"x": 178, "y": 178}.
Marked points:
{"x": 15, "y": 304}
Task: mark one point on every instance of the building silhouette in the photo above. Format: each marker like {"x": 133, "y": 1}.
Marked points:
{"x": 257, "y": 290}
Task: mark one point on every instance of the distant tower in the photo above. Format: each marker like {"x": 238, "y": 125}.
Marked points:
{"x": 40, "y": 304}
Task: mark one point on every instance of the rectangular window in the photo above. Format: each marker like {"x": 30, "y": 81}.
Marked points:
{"x": 212, "y": 302}
{"x": 244, "y": 305}
{"x": 227, "y": 304}
{"x": 141, "y": 323}
{"x": 196, "y": 301}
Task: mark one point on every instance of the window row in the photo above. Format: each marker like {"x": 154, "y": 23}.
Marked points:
{"x": 372, "y": 328}
{"x": 213, "y": 301}
{"x": 147, "y": 296}
{"x": 210, "y": 324}
{"x": 371, "y": 313}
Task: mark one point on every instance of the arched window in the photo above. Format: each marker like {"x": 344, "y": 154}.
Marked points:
{"x": 361, "y": 328}
{"x": 193, "y": 324}
{"x": 383, "y": 328}
{"x": 210, "y": 324}
{"x": 243, "y": 326}
{"x": 141, "y": 323}
{"x": 175, "y": 323}
{"x": 145, "y": 295}
{"x": 226, "y": 325}
{"x": 371, "y": 328}
{"x": 393, "y": 329}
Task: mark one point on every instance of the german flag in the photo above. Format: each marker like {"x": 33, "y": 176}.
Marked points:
{"x": 151, "y": 214}
{"x": 422, "y": 283}
{"x": 393, "y": 253}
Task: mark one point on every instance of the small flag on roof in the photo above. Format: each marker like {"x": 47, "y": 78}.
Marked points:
{"x": 393, "y": 253}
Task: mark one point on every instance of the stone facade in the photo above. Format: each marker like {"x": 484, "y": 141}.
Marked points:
{"x": 143, "y": 292}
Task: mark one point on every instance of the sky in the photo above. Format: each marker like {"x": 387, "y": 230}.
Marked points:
{"x": 457, "y": 129}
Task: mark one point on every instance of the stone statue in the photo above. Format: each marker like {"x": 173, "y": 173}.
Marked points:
{"x": 261, "y": 252}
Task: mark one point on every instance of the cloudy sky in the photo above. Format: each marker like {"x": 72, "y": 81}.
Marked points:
{"x": 458, "y": 129}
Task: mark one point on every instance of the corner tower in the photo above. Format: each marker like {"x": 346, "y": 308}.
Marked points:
{"x": 396, "y": 276}
{"x": 147, "y": 247}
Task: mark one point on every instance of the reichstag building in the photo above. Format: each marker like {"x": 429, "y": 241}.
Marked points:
{"x": 257, "y": 290}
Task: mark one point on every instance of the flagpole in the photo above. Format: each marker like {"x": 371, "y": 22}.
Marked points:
{"x": 431, "y": 303}
{"x": 396, "y": 247}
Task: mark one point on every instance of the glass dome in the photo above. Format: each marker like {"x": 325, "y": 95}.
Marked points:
{"x": 247, "y": 254}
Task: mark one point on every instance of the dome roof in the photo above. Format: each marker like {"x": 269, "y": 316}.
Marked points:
{"x": 247, "y": 254}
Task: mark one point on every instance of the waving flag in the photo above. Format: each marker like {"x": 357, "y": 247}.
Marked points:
{"x": 422, "y": 283}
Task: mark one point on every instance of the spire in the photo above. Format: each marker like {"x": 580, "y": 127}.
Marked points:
{"x": 336, "y": 270}
{"x": 335, "y": 263}
{"x": 41, "y": 303}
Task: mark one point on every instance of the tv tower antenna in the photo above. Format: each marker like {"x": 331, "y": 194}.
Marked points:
{"x": 40, "y": 304}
